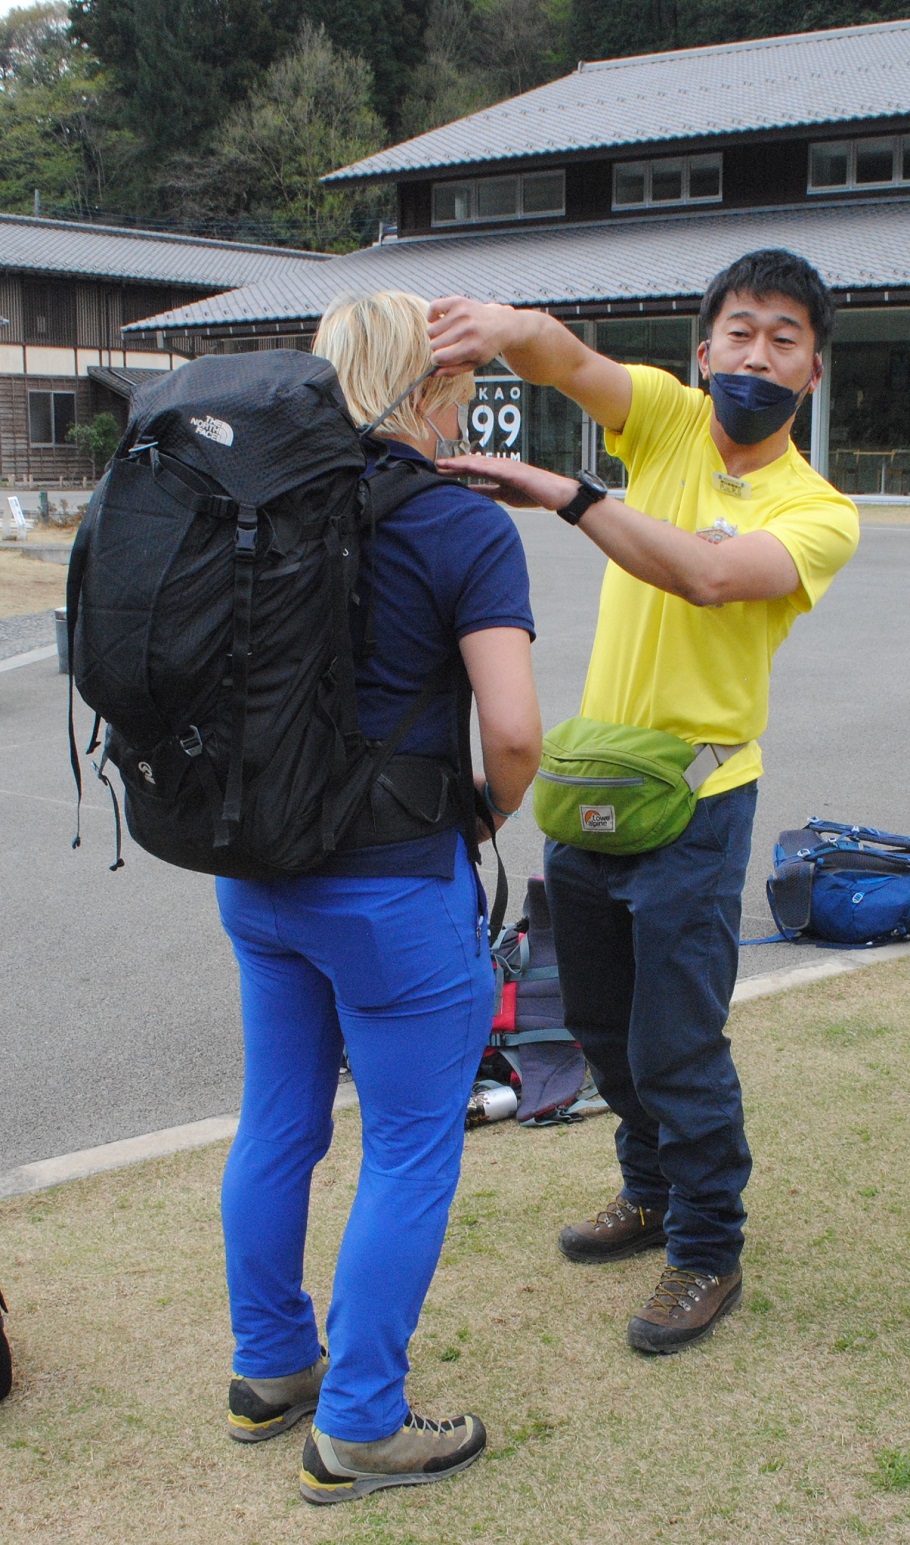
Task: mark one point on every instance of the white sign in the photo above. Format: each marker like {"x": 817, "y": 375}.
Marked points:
{"x": 19, "y": 520}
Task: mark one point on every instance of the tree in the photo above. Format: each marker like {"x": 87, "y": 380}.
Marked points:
{"x": 98, "y": 439}
{"x": 388, "y": 35}
{"x": 54, "y": 133}
{"x": 598, "y": 31}
{"x": 480, "y": 51}
{"x": 311, "y": 113}
{"x": 446, "y": 83}
{"x": 35, "y": 45}
{"x": 176, "y": 65}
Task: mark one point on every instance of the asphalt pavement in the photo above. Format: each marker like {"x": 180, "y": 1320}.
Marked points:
{"x": 118, "y": 996}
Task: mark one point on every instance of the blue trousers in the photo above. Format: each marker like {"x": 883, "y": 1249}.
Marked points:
{"x": 647, "y": 948}
{"x": 398, "y": 970}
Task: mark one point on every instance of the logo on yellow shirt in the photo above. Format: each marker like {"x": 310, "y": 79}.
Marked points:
{"x": 736, "y": 487}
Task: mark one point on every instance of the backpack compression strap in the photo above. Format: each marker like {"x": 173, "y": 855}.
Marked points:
{"x": 244, "y": 553}
{"x": 74, "y": 578}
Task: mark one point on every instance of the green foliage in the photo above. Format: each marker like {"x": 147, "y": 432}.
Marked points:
{"x": 52, "y": 138}
{"x": 311, "y": 113}
{"x": 480, "y": 51}
{"x": 627, "y": 27}
{"x": 35, "y": 46}
{"x": 388, "y": 34}
{"x": 220, "y": 116}
{"x": 177, "y": 65}
{"x": 55, "y": 130}
{"x": 98, "y": 439}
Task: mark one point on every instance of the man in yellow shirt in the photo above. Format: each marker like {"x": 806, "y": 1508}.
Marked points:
{"x": 726, "y": 535}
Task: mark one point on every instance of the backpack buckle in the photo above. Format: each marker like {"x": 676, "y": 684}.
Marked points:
{"x": 191, "y": 742}
{"x": 245, "y": 534}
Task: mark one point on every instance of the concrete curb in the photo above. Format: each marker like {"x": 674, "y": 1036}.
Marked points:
{"x": 30, "y": 658}
{"x": 839, "y": 963}
{"x": 132, "y": 1150}
{"x": 215, "y": 1129}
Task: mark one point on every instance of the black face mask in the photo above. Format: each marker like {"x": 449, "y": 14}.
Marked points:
{"x": 750, "y": 408}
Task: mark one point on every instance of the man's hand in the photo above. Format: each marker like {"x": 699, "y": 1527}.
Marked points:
{"x": 514, "y": 482}
{"x": 465, "y": 334}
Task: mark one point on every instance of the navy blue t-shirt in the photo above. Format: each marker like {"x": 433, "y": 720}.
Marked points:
{"x": 446, "y": 563}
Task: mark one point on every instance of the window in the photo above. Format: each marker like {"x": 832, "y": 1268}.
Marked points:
{"x": 518, "y": 196}
{"x": 50, "y": 313}
{"x": 847, "y": 164}
{"x": 670, "y": 180}
{"x": 497, "y": 198}
{"x": 451, "y": 202}
{"x": 50, "y": 415}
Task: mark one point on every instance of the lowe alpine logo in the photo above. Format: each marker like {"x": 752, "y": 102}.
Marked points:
{"x": 213, "y": 429}
{"x": 597, "y": 818}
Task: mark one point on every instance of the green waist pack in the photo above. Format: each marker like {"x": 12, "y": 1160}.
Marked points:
{"x": 613, "y": 788}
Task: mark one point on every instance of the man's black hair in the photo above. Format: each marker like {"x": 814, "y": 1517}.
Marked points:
{"x": 772, "y": 271}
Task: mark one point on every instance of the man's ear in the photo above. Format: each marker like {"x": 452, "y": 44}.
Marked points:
{"x": 818, "y": 370}
{"x": 703, "y": 363}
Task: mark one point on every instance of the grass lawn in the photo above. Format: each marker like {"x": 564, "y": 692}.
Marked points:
{"x": 791, "y": 1426}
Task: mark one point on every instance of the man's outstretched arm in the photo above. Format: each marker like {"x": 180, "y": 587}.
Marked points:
{"x": 465, "y": 334}
{"x": 752, "y": 567}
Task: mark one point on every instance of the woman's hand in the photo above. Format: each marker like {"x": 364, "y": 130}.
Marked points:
{"x": 515, "y": 482}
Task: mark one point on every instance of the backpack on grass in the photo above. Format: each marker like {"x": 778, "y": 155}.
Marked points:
{"x": 846, "y": 885}
{"x": 208, "y": 612}
{"x": 530, "y": 1048}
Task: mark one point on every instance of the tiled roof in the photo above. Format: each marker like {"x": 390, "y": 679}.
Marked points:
{"x": 772, "y": 83}
{"x": 122, "y": 379}
{"x": 855, "y": 247}
{"x": 99, "y": 251}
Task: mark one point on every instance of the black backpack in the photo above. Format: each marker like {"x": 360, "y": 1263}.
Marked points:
{"x": 208, "y": 604}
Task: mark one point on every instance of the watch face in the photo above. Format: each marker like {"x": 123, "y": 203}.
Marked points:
{"x": 593, "y": 484}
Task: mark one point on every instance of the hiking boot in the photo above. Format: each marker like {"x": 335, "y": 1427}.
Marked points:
{"x": 6, "y": 1359}
{"x": 419, "y": 1452}
{"x": 684, "y": 1306}
{"x": 623, "y": 1228}
{"x": 263, "y": 1408}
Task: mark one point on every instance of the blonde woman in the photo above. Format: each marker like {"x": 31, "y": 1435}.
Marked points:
{"x": 383, "y": 950}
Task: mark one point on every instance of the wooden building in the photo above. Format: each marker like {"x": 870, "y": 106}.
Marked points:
{"x": 66, "y": 292}
{"x": 611, "y": 197}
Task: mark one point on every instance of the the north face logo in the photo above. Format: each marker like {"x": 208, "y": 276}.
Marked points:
{"x": 213, "y": 429}
{"x": 597, "y": 818}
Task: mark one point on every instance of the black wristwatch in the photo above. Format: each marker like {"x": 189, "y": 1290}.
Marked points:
{"x": 591, "y": 489}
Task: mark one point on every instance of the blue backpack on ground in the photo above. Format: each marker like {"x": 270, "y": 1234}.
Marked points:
{"x": 846, "y": 885}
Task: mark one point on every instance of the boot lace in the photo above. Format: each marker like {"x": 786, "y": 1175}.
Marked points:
{"x": 619, "y": 1210}
{"x": 678, "y": 1288}
{"x": 426, "y": 1424}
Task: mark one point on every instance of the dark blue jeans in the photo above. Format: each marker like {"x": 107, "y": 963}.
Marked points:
{"x": 647, "y": 949}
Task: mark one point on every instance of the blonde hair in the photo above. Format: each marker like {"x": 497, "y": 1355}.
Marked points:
{"x": 378, "y": 344}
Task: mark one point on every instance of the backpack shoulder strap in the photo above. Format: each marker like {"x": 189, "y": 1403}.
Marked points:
{"x": 394, "y": 480}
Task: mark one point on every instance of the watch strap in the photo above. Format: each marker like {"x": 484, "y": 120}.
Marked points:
{"x": 576, "y": 507}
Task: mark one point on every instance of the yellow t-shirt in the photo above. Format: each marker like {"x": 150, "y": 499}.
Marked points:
{"x": 699, "y": 672}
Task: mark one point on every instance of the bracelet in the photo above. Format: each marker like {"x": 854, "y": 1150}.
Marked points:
{"x": 504, "y": 815}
